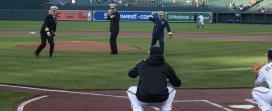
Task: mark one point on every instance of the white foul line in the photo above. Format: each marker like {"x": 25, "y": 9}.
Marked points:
{"x": 206, "y": 101}
{"x": 217, "y": 105}
{"x": 103, "y": 95}
{"x": 251, "y": 101}
{"x": 22, "y": 105}
{"x": 183, "y": 101}
{"x": 62, "y": 91}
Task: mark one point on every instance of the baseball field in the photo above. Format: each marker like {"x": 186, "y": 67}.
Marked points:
{"x": 219, "y": 56}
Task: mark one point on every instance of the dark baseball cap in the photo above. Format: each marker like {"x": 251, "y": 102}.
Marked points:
{"x": 269, "y": 53}
{"x": 155, "y": 51}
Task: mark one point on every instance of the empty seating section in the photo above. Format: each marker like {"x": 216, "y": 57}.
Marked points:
{"x": 200, "y": 5}
{"x": 218, "y": 5}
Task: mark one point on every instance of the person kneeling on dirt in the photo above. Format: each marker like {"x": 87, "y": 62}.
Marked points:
{"x": 261, "y": 94}
{"x": 156, "y": 81}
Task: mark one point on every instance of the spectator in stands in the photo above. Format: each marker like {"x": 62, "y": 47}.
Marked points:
{"x": 253, "y": 2}
{"x": 262, "y": 9}
{"x": 202, "y": 4}
{"x": 189, "y": 1}
{"x": 120, "y": 2}
{"x": 161, "y": 5}
{"x": 232, "y": 6}
{"x": 241, "y": 8}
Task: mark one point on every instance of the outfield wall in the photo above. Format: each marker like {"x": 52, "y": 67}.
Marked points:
{"x": 15, "y": 14}
{"x": 249, "y": 18}
{"x": 136, "y": 16}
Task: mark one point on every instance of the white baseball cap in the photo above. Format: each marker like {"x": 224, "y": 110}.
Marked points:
{"x": 113, "y": 6}
{"x": 53, "y": 8}
{"x": 161, "y": 13}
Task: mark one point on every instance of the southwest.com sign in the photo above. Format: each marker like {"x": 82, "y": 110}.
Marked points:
{"x": 101, "y": 15}
{"x": 187, "y": 16}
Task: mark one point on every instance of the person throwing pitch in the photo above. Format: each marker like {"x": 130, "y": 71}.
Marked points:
{"x": 47, "y": 32}
{"x": 262, "y": 94}
{"x": 114, "y": 18}
{"x": 158, "y": 31}
{"x": 157, "y": 80}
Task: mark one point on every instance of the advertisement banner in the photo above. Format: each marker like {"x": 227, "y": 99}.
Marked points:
{"x": 101, "y": 15}
{"x": 75, "y": 15}
{"x": 187, "y": 16}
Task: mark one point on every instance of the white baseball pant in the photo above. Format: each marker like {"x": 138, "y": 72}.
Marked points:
{"x": 263, "y": 97}
{"x": 200, "y": 23}
{"x": 138, "y": 105}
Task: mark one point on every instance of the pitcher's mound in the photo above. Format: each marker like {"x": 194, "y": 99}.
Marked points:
{"x": 81, "y": 46}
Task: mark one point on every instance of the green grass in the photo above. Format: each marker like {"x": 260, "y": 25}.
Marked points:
{"x": 200, "y": 63}
{"x": 141, "y": 27}
{"x": 8, "y": 99}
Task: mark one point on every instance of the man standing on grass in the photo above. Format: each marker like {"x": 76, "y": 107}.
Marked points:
{"x": 158, "y": 31}
{"x": 114, "y": 18}
{"x": 200, "y": 21}
{"x": 47, "y": 32}
{"x": 157, "y": 80}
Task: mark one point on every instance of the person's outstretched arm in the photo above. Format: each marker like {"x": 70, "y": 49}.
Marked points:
{"x": 168, "y": 28}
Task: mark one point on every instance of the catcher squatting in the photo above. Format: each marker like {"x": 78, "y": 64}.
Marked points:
{"x": 260, "y": 93}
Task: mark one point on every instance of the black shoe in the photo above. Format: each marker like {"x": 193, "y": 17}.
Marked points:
{"x": 36, "y": 54}
{"x": 114, "y": 53}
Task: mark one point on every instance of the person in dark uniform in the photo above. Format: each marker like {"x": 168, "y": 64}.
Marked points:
{"x": 114, "y": 18}
{"x": 157, "y": 80}
{"x": 47, "y": 32}
{"x": 195, "y": 18}
{"x": 158, "y": 32}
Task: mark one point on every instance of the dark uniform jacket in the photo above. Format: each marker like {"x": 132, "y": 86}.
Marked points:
{"x": 51, "y": 23}
{"x": 153, "y": 74}
{"x": 114, "y": 21}
{"x": 159, "y": 25}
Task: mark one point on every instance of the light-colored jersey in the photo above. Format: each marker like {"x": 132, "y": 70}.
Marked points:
{"x": 265, "y": 75}
{"x": 200, "y": 19}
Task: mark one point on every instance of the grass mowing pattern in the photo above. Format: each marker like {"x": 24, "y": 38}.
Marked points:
{"x": 200, "y": 63}
{"x": 141, "y": 27}
{"x": 8, "y": 99}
